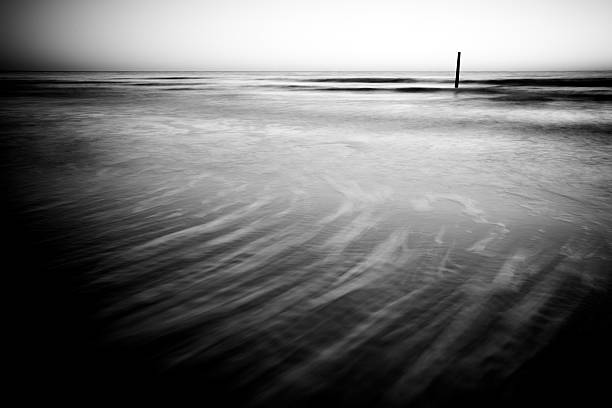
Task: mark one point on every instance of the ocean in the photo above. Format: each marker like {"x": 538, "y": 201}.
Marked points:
{"x": 299, "y": 238}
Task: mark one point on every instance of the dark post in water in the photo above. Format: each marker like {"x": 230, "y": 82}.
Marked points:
{"x": 457, "y": 72}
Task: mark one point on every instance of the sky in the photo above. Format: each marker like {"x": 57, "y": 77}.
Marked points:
{"x": 403, "y": 35}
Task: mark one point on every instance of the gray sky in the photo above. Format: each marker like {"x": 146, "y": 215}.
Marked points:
{"x": 306, "y": 34}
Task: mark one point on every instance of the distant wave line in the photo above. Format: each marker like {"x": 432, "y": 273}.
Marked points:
{"x": 365, "y": 80}
{"x": 605, "y": 82}
{"x": 505, "y": 94}
{"x": 545, "y": 82}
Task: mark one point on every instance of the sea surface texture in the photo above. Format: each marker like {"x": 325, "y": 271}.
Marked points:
{"x": 365, "y": 238}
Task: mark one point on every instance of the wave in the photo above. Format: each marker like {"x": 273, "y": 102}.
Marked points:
{"x": 85, "y": 88}
{"x": 583, "y": 82}
{"x": 598, "y": 82}
{"x": 24, "y": 82}
{"x": 499, "y": 93}
{"x": 175, "y": 77}
{"x": 603, "y": 82}
{"x": 28, "y": 81}
{"x": 188, "y": 88}
{"x": 362, "y": 88}
{"x": 374, "y": 80}
{"x": 511, "y": 90}
{"x": 164, "y": 83}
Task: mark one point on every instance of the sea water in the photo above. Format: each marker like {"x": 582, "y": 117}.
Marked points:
{"x": 365, "y": 236}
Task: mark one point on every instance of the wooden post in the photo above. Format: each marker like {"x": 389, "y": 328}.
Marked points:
{"x": 457, "y": 72}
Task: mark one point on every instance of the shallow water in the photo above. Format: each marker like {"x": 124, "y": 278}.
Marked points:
{"x": 368, "y": 235}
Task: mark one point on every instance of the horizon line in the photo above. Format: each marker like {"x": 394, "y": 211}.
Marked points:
{"x": 301, "y": 70}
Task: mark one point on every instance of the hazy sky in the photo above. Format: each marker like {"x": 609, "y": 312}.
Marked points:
{"x": 306, "y": 34}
